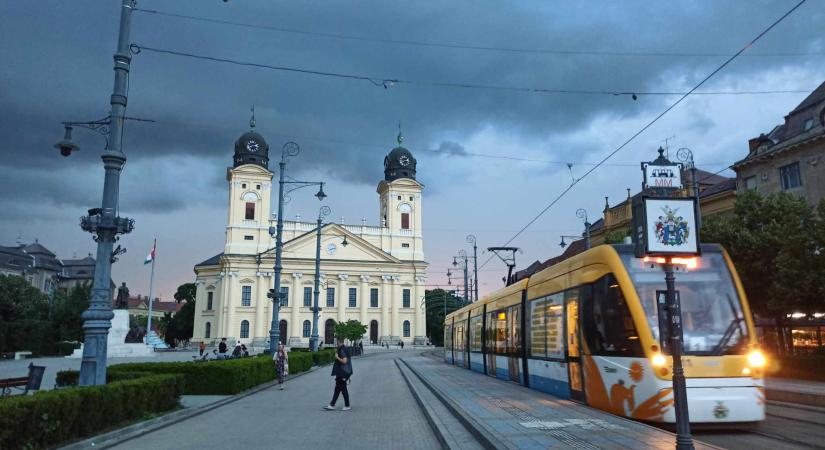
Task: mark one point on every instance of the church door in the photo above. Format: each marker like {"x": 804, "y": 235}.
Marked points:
{"x": 374, "y": 332}
{"x": 329, "y": 332}
{"x": 282, "y": 331}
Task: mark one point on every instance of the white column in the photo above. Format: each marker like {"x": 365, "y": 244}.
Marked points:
{"x": 396, "y": 305}
{"x": 229, "y": 325}
{"x": 364, "y": 298}
{"x": 343, "y": 297}
{"x": 260, "y": 305}
{"x": 294, "y": 327}
{"x": 420, "y": 310}
{"x": 385, "y": 306}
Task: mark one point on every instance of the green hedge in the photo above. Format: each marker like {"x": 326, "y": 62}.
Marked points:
{"x": 299, "y": 362}
{"x": 36, "y": 336}
{"x": 50, "y": 418}
{"x": 321, "y": 357}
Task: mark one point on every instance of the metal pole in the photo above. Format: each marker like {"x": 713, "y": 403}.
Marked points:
{"x": 151, "y": 286}
{"x": 475, "y": 267}
{"x": 466, "y": 289}
{"x": 313, "y": 340}
{"x": 274, "y": 327}
{"x": 696, "y": 194}
{"x": 587, "y": 235}
{"x": 684, "y": 441}
{"x": 106, "y": 225}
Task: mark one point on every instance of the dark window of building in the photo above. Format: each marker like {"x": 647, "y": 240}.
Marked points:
{"x": 399, "y": 197}
{"x": 809, "y": 124}
{"x": 243, "y": 185}
{"x": 405, "y": 221}
{"x": 607, "y": 324}
{"x": 248, "y": 238}
{"x": 246, "y": 295}
{"x": 209, "y": 296}
{"x": 244, "y": 329}
{"x": 250, "y": 211}
{"x": 285, "y": 297}
{"x": 411, "y": 198}
{"x": 790, "y": 176}
{"x": 308, "y": 296}
{"x": 306, "y": 329}
{"x": 405, "y": 295}
{"x": 374, "y": 298}
{"x": 258, "y": 187}
{"x": 353, "y": 293}
{"x": 406, "y": 328}
{"x": 330, "y": 297}
{"x": 207, "y": 332}
{"x": 750, "y": 183}
{"x": 405, "y": 245}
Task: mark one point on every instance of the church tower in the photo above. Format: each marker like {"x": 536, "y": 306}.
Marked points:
{"x": 400, "y": 205}
{"x": 250, "y": 186}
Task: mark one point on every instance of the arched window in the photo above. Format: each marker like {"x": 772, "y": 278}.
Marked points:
{"x": 406, "y": 328}
{"x": 207, "y": 332}
{"x": 282, "y": 331}
{"x": 306, "y": 328}
{"x": 244, "y": 329}
{"x": 249, "y": 213}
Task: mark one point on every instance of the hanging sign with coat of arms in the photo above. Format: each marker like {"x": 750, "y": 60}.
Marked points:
{"x": 670, "y": 226}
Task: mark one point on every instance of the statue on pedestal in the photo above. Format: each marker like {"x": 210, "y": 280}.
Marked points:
{"x": 122, "y": 300}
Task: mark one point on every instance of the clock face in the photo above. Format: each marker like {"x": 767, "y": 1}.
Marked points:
{"x": 404, "y": 160}
{"x": 252, "y": 145}
{"x": 331, "y": 248}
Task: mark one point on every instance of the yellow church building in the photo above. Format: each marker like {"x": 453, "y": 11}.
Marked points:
{"x": 372, "y": 273}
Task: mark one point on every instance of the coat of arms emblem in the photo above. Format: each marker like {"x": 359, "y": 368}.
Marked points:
{"x": 670, "y": 228}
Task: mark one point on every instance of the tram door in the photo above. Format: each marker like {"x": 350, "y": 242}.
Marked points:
{"x": 574, "y": 360}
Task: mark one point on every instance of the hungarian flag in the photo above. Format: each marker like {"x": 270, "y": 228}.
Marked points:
{"x": 151, "y": 256}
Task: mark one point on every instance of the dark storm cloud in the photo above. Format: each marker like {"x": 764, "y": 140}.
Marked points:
{"x": 57, "y": 66}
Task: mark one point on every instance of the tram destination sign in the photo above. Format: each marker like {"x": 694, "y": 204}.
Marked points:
{"x": 669, "y": 227}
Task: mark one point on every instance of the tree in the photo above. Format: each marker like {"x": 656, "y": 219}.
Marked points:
{"x": 19, "y": 300}
{"x": 776, "y": 244}
{"x": 67, "y": 309}
{"x": 180, "y": 326}
{"x": 351, "y": 330}
{"x": 186, "y": 292}
{"x": 439, "y": 303}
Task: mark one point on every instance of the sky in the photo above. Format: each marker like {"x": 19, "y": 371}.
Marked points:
{"x": 490, "y": 159}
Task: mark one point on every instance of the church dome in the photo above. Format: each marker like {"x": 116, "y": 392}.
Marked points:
{"x": 399, "y": 163}
{"x": 251, "y": 148}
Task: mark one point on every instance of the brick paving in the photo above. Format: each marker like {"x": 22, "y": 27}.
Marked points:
{"x": 384, "y": 416}
{"x": 521, "y": 418}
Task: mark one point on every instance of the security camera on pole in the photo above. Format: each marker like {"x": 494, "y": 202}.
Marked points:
{"x": 664, "y": 228}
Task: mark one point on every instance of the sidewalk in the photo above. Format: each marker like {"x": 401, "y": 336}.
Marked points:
{"x": 795, "y": 391}
{"x": 384, "y": 416}
{"x": 520, "y": 418}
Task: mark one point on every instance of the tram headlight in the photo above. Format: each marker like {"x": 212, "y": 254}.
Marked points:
{"x": 658, "y": 360}
{"x": 756, "y": 359}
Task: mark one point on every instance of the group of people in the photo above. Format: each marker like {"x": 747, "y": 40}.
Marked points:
{"x": 222, "y": 352}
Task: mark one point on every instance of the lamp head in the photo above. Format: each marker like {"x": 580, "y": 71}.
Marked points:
{"x": 321, "y": 195}
{"x": 345, "y": 243}
{"x": 562, "y": 244}
{"x": 455, "y": 263}
{"x": 66, "y": 146}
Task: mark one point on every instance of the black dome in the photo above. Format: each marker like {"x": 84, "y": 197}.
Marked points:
{"x": 251, "y": 148}
{"x": 400, "y": 163}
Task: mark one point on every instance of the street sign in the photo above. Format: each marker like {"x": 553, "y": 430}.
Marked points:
{"x": 662, "y": 176}
{"x": 669, "y": 227}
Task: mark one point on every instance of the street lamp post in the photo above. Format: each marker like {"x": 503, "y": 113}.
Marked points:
{"x": 289, "y": 149}
{"x": 581, "y": 213}
{"x": 104, "y": 222}
{"x": 462, "y": 255}
{"x": 685, "y": 156}
{"x": 313, "y": 339}
{"x": 471, "y": 239}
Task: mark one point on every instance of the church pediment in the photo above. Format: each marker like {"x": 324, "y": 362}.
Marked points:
{"x": 332, "y": 236}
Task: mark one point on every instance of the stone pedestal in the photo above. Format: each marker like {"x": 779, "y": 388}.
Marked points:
{"x": 116, "y": 340}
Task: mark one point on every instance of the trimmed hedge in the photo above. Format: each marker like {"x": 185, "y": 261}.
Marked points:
{"x": 36, "y": 336}
{"x": 321, "y": 357}
{"x": 50, "y": 418}
{"x": 299, "y": 362}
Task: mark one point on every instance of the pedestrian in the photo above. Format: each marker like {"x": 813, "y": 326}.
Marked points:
{"x": 222, "y": 348}
{"x": 402, "y": 345}
{"x": 236, "y": 353}
{"x": 361, "y": 347}
{"x": 244, "y": 350}
{"x": 342, "y": 371}
{"x": 281, "y": 365}
{"x": 202, "y": 347}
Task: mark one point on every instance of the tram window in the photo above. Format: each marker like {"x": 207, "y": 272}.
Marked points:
{"x": 514, "y": 330}
{"x": 608, "y": 325}
{"x": 546, "y": 322}
{"x": 475, "y": 334}
{"x": 538, "y": 328}
{"x": 448, "y": 337}
{"x": 497, "y": 331}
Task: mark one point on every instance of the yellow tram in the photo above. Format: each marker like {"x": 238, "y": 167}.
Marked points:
{"x": 587, "y": 328}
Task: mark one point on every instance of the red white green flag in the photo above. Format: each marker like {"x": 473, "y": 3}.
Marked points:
{"x": 151, "y": 256}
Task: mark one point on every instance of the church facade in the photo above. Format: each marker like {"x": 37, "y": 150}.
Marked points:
{"x": 372, "y": 273}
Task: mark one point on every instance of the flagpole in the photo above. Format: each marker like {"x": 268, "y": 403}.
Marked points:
{"x": 151, "y": 285}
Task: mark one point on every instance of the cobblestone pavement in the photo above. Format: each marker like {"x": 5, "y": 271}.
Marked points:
{"x": 384, "y": 416}
{"x": 523, "y": 418}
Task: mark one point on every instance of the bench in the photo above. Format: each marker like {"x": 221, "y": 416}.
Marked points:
{"x": 31, "y": 382}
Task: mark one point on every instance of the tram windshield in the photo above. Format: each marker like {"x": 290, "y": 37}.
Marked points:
{"x": 712, "y": 319}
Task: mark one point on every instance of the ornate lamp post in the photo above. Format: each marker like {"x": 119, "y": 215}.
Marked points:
{"x": 471, "y": 239}
{"x": 685, "y": 156}
{"x": 313, "y": 339}
{"x": 462, "y": 255}
{"x": 581, "y": 213}
{"x": 289, "y": 149}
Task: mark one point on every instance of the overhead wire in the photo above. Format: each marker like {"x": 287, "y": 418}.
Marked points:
{"x": 648, "y": 125}
{"x": 560, "y": 52}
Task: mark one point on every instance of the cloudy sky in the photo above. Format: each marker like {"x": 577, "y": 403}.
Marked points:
{"x": 491, "y": 159}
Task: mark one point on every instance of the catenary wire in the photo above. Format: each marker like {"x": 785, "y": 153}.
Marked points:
{"x": 388, "y": 82}
{"x": 561, "y": 52}
{"x": 648, "y": 125}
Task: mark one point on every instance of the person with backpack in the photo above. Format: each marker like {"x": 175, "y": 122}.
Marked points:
{"x": 222, "y": 348}
{"x": 342, "y": 371}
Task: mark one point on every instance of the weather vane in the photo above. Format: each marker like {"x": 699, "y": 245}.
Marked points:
{"x": 400, "y": 137}
{"x": 252, "y": 120}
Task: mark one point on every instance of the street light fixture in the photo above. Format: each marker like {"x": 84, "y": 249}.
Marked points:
{"x": 313, "y": 339}
{"x": 288, "y": 150}
{"x": 462, "y": 255}
{"x": 471, "y": 239}
{"x": 685, "y": 155}
{"x": 581, "y": 213}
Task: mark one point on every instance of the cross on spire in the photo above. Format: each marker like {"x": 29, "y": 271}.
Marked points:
{"x": 252, "y": 119}
{"x": 400, "y": 137}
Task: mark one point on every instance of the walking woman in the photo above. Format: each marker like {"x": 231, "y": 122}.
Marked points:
{"x": 341, "y": 370}
{"x": 281, "y": 365}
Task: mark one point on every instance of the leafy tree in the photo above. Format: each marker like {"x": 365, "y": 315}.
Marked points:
{"x": 776, "y": 243}
{"x": 20, "y": 301}
{"x": 616, "y": 236}
{"x": 351, "y": 330}
{"x": 180, "y": 326}
{"x": 439, "y": 303}
{"x": 67, "y": 309}
{"x": 186, "y": 292}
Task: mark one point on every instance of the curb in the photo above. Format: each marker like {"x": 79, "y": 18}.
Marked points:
{"x": 112, "y": 438}
{"x": 801, "y": 398}
{"x": 428, "y": 413}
